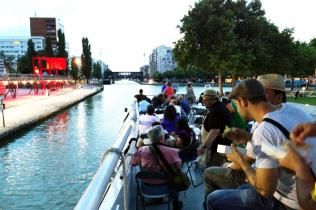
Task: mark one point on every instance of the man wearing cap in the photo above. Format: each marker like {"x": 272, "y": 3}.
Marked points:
{"x": 274, "y": 87}
{"x": 270, "y": 187}
{"x": 220, "y": 177}
{"x": 218, "y": 116}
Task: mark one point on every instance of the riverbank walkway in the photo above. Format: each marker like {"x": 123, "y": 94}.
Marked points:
{"x": 24, "y": 111}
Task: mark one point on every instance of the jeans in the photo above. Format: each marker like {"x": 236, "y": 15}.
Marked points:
{"x": 244, "y": 197}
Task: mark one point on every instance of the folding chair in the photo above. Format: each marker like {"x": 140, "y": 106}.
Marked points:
{"x": 151, "y": 191}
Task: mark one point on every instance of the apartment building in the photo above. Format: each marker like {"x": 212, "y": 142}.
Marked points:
{"x": 17, "y": 46}
{"x": 46, "y": 27}
{"x": 161, "y": 60}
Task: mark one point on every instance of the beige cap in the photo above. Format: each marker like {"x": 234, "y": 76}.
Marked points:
{"x": 210, "y": 94}
{"x": 272, "y": 81}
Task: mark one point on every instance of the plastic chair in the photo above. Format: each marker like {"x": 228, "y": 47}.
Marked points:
{"x": 151, "y": 191}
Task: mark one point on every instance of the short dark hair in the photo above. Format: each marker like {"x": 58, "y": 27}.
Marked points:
{"x": 279, "y": 92}
{"x": 150, "y": 109}
{"x": 250, "y": 89}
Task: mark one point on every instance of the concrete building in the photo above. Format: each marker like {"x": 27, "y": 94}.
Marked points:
{"x": 2, "y": 69}
{"x": 17, "y": 46}
{"x": 145, "y": 70}
{"x": 46, "y": 27}
{"x": 161, "y": 60}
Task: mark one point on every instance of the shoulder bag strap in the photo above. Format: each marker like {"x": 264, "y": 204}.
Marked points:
{"x": 159, "y": 155}
{"x": 279, "y": 126}
{"x": 153, "y": 151}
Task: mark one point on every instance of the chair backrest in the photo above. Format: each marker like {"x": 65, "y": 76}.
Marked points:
{"x": 145, "y": 184}
{"x": 150, "y": 175}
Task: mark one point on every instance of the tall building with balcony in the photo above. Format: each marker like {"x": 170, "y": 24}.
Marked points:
{"x": 17, "y": 46}
{"x": 46, "y": 27}
{"x": 161, "y": 60}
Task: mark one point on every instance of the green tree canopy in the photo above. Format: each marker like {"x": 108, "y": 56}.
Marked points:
{"x": 25, "y": 62}
{"x": 97, "y": 71}
{"x": 48, "y": 51}
{"x": 86, "y": 59}
{"x": 61, "y": 47}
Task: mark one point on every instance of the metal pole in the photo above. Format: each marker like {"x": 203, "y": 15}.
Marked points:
{"x": 2, "y": 108}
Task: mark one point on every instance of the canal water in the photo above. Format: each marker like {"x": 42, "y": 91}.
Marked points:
{"x": 50, "y": 165}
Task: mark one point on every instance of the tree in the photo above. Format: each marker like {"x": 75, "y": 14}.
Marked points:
{"x": 48, "y": 51}
{"x": 86, "y": 59}
{"x": 74, "y": 70}
{"x": 8, "y": 62}
{"x": 209, "y": 39}
{"x": 25, "y": 62}
{"x": 61, "y": 47}
{"x": 97, "y": 71}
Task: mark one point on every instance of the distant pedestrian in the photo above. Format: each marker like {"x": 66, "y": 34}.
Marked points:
{"x": 164, "y": 85}
{"x": 297, "y": 93}
{"x": 190, "y": 94}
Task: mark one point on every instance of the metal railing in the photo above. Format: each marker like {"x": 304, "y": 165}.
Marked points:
{"x": 94, "y": 194}
{"x": 26, "y": 77}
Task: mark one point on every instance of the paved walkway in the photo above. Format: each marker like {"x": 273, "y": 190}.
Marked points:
{"x": 24, "y": 111}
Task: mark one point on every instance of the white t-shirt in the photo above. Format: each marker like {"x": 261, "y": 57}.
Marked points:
{"x": 146, "y": 121}
{"x": 288, "y": 116}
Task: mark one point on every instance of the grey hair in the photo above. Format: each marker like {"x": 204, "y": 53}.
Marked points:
{"x": 156, "y": 133}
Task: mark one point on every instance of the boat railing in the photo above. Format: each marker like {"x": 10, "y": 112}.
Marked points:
{"x": 94, "y": 194}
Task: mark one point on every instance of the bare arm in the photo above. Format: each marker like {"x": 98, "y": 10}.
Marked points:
{"x": 263, "y": 180}
{"x": 212, "y": 134}
{"x": 300, "y": 132}
{"x": 304, "y": 177}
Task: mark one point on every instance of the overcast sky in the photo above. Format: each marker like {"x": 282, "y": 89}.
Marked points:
{"x": 122, "y": 31}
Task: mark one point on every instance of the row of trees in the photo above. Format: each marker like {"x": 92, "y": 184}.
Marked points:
{"x": 235, "y": 38}
{"x": 88, "y": 68}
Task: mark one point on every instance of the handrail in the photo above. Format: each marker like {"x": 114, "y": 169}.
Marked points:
{"x": 93, "y": 195}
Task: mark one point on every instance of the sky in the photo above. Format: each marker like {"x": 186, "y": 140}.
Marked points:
{"x": 123, "y": 33}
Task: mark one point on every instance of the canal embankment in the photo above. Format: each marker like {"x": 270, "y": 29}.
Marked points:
{"x": 25, "y": 111}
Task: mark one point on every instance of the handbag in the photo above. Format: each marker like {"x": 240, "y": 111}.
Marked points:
{"x": 177, "y": 180}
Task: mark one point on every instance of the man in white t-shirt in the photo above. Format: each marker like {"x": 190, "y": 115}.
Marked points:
{"x": 270, "y": 187}
{"x": 146, "y": 120}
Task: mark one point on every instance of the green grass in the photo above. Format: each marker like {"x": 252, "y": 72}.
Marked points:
{"x": 302, "y": 100}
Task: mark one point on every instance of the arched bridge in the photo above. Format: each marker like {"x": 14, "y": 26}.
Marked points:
{"x": 110, "y": 77}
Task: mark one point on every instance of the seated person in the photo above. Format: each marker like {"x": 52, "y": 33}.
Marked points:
{"x": 147, "y": 160}
{"x": 184, "y": 104}
{"x": 146, "y": 120}
{"x": 141, "y": 96}
{"x": 175, "y": 103}
{"x": 158, "y": 100}
{"x": 170, "y": 119}
{"x": 142, "y": 106}
{"x": 144, "y": 140}
{"x": 186, "y": 140}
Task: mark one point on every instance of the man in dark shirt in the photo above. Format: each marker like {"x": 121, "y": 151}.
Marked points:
{"x": 217, "y": 118}
{"x": 141, "y": 96}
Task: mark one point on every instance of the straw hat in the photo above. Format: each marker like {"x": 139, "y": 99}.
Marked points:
{"x": 272, "y": 81}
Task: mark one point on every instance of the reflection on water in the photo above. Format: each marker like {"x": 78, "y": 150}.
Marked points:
{"x": 49, "y": 166}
